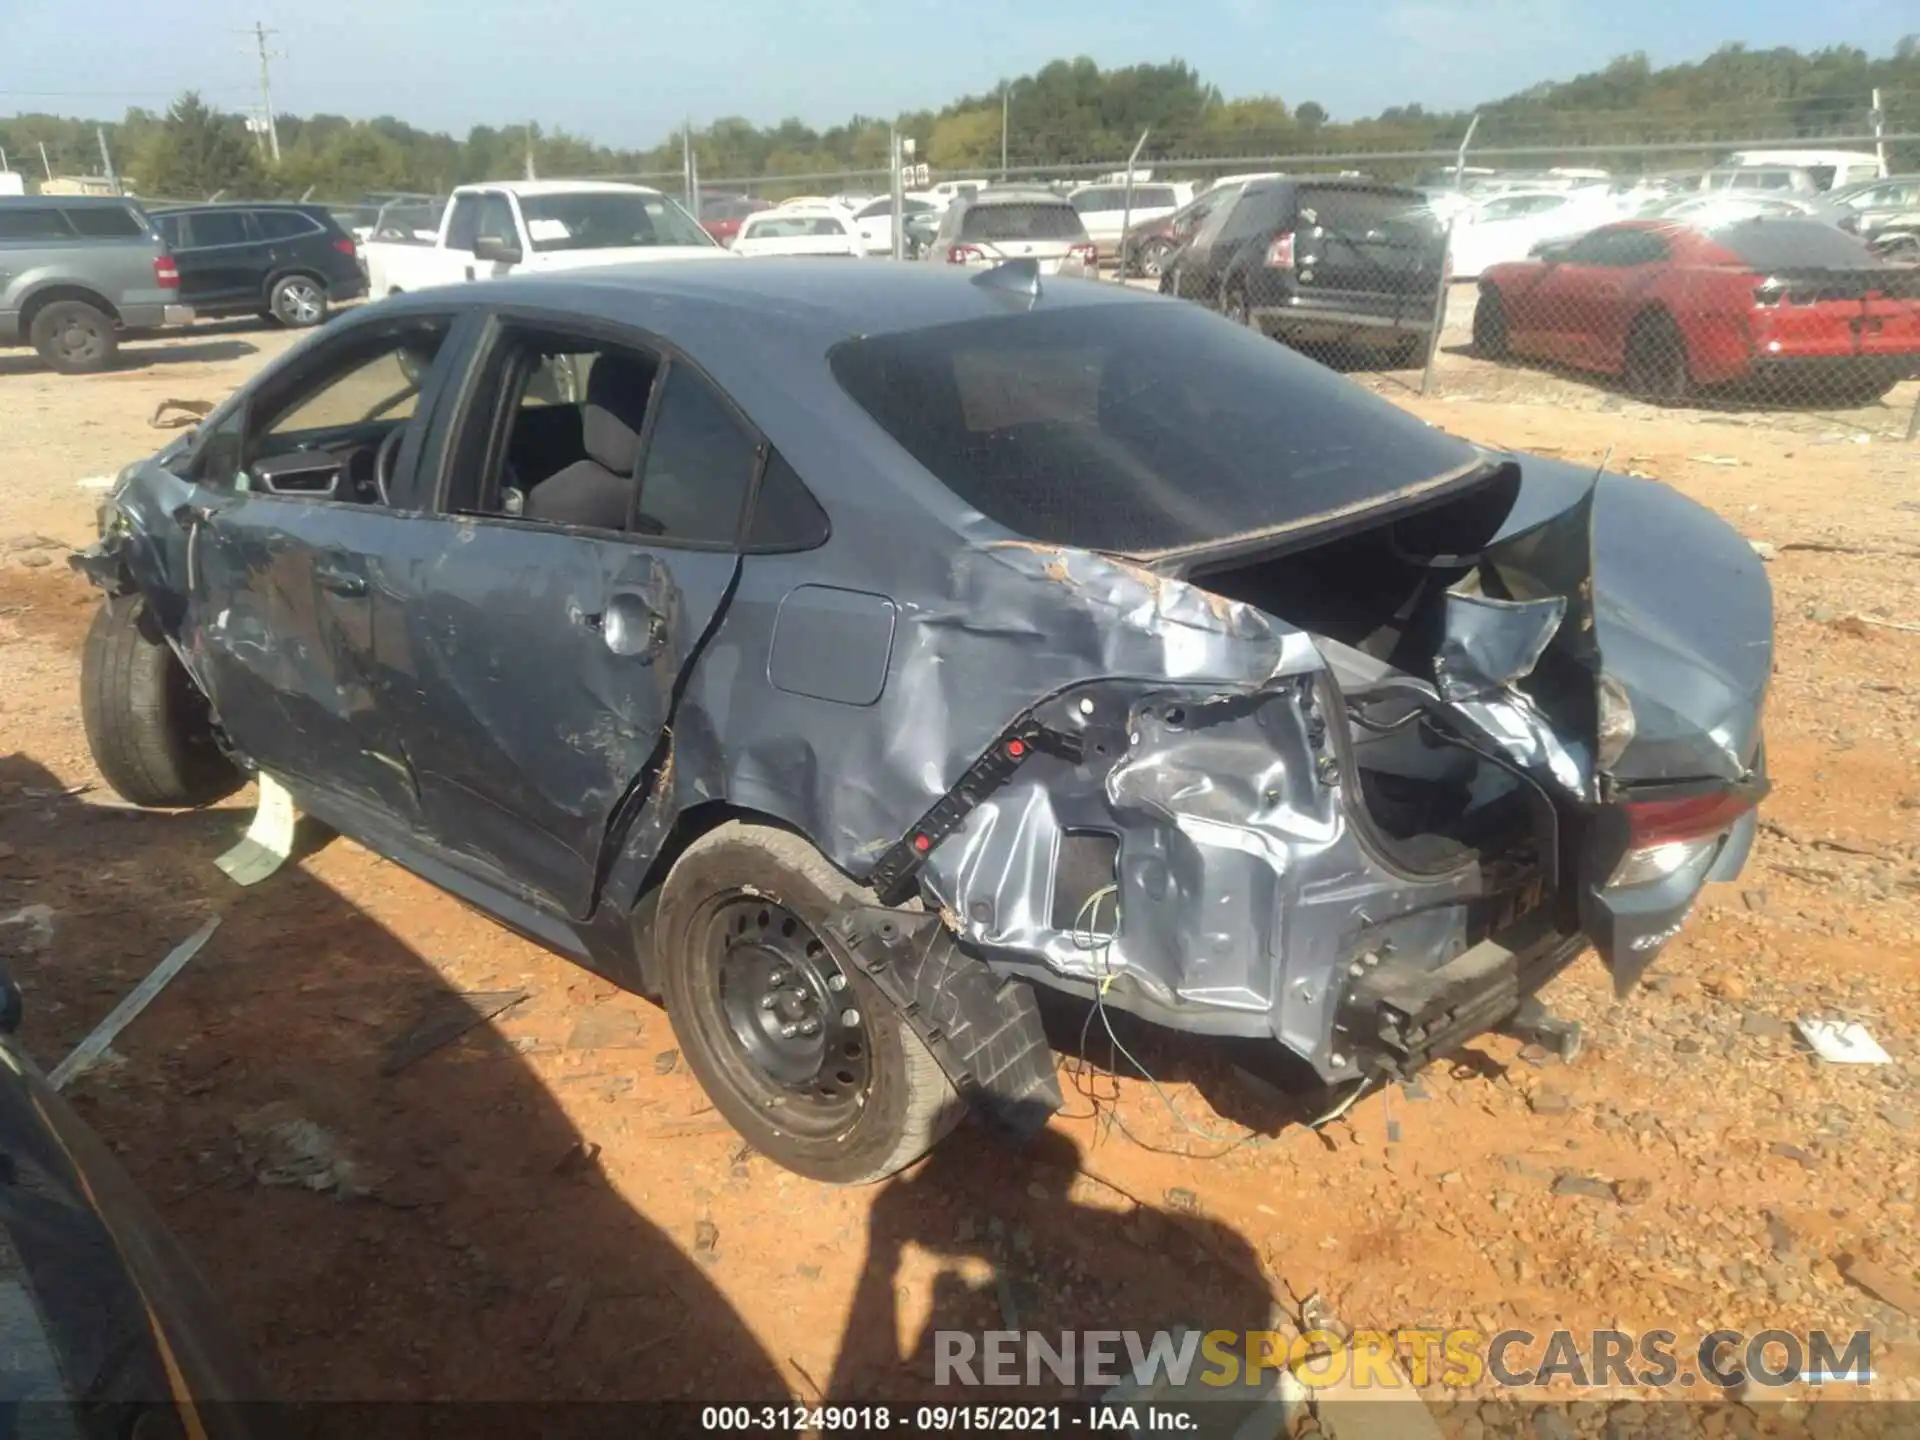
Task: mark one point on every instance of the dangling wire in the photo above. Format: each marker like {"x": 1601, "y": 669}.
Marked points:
{"x": 1087, "y": 937}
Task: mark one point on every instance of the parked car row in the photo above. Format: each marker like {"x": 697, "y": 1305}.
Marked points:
{"x": 1674, "y": 308}
{"x": 80, "y": 274}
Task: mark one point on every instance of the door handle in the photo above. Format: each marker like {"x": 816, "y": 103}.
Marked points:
{"x": 628, "y": 626}
{"x": 337, "y": 580}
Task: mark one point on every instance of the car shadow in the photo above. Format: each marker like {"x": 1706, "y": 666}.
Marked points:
{"x": 1025, "y": 1238}
{"x": 382, "y": 1225}
{"x": 1755, "y": 397}
{"x": 141, "y": 356}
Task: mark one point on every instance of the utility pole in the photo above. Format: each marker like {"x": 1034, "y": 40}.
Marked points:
{"x": 1879, "y": 118}
{"x": 529, "y": 165}
{"x": 45, "y": 163}
{"x": 260, "y": 32}
{"x": 686, "y": 165}
{"x": 1004, "y": 93}
{"x": 106, "y": 159}
{"x": 1460, "y": 158}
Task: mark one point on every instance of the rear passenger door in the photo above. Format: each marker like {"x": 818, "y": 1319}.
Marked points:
{"x": 542, "y": 657}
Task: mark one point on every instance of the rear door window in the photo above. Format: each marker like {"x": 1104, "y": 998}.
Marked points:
{"x": 33, "y": 222}
{"x": 1153, "y": 197}
{"x": 206, "y": 228}
{"x": 106, "y": 222}
{"x": 284, "y": 224}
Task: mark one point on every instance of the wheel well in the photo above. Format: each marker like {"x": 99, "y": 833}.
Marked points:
{"x": 304, "y": 272}
{"x": 698, "y": 820}
{"x": 40, "y": 299}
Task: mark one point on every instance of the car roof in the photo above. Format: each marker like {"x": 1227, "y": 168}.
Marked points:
{"x": 560, "y": 187}
{"x": 1018, "y": 195}
{"x": 85, "y": 201}
{"x": 788, "y": 301}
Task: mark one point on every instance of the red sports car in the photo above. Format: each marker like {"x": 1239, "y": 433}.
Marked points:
{"x": 1671, "y": 308}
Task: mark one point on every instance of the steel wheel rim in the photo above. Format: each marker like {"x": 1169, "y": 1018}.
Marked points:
{"x": 300, "y": 302}
{"x": 787, "y": 1016}
{"x": 1152, "y": 260}
{"x": 78, "y": 340}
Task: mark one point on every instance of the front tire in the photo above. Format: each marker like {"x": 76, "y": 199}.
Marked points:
{"x": 1490, "y": 337}
{"x": 1657, "y": 359}
{"x": 1153, "y": 258}
{"x": 147, "y": 724}
{"x": 1233, "y": 305}
{"x": 807, "y": 1060}
{"x": 298, "y": 302}
{"x": 74, "y": 337}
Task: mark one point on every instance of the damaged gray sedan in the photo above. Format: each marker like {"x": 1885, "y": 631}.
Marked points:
{"x": 840, "y": 657}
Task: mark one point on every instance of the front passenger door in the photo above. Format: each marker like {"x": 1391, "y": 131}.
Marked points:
{"x": 285, "y": 530}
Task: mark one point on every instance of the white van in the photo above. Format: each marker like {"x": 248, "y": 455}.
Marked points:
{"x": 1830, "y": 168}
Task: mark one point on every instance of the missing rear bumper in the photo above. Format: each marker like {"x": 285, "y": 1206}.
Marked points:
{"x": 1397, "y": 1017}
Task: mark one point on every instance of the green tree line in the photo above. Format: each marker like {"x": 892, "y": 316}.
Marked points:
{"x": 1070, "y": 112}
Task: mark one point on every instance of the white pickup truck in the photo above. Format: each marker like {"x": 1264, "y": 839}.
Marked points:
{"x": 531, "y": 226}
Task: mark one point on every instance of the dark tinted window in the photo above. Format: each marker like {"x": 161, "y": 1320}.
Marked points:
{"x": 284, "y": 224}
{"x": 215, "y": 227}
{"x": 786, "y": 516}
{"x": 1256, "y": 213}
{"x": 1769, "y": 244}
{"x": 32, "y": 222}
{"x": 170, "y": 230}
{"x": 698, "y": 466}
{"x": 106, "y": 222}
{"x": 1135, "y": 427}
{"x": 1153, "y": 197}
{"x": 1014, "y": 221}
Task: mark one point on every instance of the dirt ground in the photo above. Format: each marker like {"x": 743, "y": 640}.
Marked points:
{"x": 549, "y": 1208}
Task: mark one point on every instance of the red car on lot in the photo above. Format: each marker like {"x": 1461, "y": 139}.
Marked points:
{"x": 1671, "y": 308}
{"x": 721, "y": 216}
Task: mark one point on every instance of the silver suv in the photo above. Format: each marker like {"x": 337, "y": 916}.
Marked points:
{"x": 77, "y": 273}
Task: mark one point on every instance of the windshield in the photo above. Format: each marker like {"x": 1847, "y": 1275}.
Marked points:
{"x": 1136, "y": 427}
{"x": 608, "y": 220}
{"x": 1041, "y": 220}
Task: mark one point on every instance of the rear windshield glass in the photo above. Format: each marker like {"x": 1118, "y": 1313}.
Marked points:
{"x": 1135, "y": 427}
{"x": 1379, "y": 216}
{"x": 1038, "y": 221}
{"x": 1780, "y": 244}
{"x": 607, "y": 220}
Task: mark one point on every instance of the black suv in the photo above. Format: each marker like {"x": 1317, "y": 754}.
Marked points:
{"x": 1320, "y": 262}
{"x": 283, "y": 262}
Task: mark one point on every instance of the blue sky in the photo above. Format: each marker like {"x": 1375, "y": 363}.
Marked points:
{"x": 625, "y": 76}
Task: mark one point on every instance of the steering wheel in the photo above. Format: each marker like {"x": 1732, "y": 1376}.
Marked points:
{"x": 383, "y": 463}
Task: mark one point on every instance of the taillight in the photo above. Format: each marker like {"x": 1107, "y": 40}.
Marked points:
{"x": 1280, "y": 251}
{"x": 166, "y": 274}
{"x": 964, "y": 254}
{"x": 1087, "y": 255}
{"x": 346, "y": 246}
{"x": 1666, "y": 836}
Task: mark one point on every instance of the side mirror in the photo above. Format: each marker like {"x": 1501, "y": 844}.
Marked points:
{"x": 496, "y": 251}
